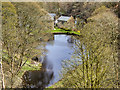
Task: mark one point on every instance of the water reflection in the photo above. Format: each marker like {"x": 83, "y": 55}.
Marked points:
{"x": 59, "y": 49}
{"x": 39, "y": 78}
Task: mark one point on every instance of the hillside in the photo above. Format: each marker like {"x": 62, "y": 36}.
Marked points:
{"x": 77, "y": 9}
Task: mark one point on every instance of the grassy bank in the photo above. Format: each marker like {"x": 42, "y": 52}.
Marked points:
{"x": 58, "y": 30}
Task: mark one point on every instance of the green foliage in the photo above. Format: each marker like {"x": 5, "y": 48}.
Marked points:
{"x": 8, "y": 10}
{"x": 100, "y": 10}
{"x": 8, "y": 22}
{"x": 79, "y": 24}
{"x": 34, "y": 19}
{"x": 110, "y": 4}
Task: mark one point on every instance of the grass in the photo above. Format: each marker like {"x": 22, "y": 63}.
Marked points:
{"x": 58, "y": 30}
{"x": 29, "y": 66}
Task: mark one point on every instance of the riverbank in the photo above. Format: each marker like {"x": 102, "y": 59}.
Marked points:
{"x": 64, "y": 31}
{"x": 27, "y": 65}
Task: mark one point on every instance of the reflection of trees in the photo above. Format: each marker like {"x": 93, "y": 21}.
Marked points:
{"x": 39, "y": 78}
{"x": 70, "y": 40}
{"x": 51, "y": 41}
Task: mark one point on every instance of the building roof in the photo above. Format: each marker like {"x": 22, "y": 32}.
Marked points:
{"x": 63, "y": 18}
{"x": 52, "y": 15}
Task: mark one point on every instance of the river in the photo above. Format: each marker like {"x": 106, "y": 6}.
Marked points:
{"x": 59, "y": 49}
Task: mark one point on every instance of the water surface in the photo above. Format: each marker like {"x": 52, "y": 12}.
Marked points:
{"x": 59, "y": 49}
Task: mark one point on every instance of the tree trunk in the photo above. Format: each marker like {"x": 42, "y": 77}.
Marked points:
{"x": 2, "y": 75}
